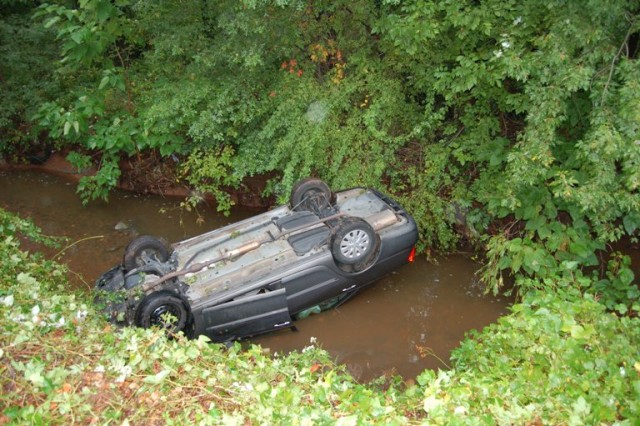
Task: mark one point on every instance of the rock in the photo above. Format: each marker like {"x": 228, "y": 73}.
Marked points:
{"x": 121, "y": 226}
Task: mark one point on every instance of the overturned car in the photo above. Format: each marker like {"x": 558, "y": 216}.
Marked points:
{"x": 262, "y": 273}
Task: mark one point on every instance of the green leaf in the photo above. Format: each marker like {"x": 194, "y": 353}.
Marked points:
{"x": 516, "y": 262}
{"x": 77, "y": 37}
{"x": 52, "y": 22}
{"x": 544, "y": 232}
{"x": 581, "y": 407}
{"x": 580, "y": 332}
{"x": 569, "y": 265}
{"x": 103, "y": 82}
{"x": 104, "y": 10}
{"x": 536, "y": 222}
{"x": 580, "y": 248}
{"x": 631, "y": 222}
{"x": 621, "y": 308}
{"x": 626, "y": 276}
{"x": 157, "y": 378}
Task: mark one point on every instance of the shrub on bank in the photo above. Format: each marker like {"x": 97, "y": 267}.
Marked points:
{"x": 556, "y": 359}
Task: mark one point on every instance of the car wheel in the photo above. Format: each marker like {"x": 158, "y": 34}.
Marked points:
{"x": 310, "y": 193}
{"x": 163, "y": 310}
{"x": 144, "y": 247}
{"x": 353, "y": 241}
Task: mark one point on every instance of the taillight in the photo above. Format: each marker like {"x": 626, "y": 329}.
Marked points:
{"x": 412, "y": 255}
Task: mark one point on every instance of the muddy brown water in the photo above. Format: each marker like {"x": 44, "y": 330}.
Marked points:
{"x": 408, "y": 321}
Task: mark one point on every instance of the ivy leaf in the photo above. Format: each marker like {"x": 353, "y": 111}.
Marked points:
{"x": 157, "y": 378}
{"x": 621, "y": 308}
{"x": 580, "y": 332}
{"x": 33, "y": 373}
{"x": 581, "y": 407}
{"x": 544, "y": 232}
{"x": 536, "y": 222}
{"x": 580, "y": 248}
{"x": 569, "y": 265}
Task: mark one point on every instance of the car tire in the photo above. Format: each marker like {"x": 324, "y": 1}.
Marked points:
{"x": 353, "y": 241}
{"x": 141, "y": 247}
{"x": 151, "y": 310}
{"x": 310, "y": 193}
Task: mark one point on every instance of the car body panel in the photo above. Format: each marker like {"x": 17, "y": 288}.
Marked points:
{"x": 248, "y": 315}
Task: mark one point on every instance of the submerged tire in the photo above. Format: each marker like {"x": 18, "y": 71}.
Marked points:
{"x": 353, "y": 241}
{"x": 141, "y": 247}
{"x": 310, "y": 193}
{"x": 164, "y": 310}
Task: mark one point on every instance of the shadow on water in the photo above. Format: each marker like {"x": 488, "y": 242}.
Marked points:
{"x": 408, "y": 321}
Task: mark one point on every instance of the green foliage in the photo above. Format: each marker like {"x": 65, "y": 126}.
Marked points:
{"x": 617, "y": 290}
{"x": 210, "y": 173}
{"x": 99, "y": 43}
{"x": 510, "y": 124}
{"x": 26, "y": 71}
{"x": 100, "y": 185}
{"x": 347, "y": 137}
{"x": 12, "y": 227}
{"x": 528, "y": 124}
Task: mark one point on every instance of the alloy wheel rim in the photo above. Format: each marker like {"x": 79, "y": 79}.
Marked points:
{"x": 156, "y": 316}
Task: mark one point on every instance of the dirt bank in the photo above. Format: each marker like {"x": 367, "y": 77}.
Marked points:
{"x": 150, "y": 176}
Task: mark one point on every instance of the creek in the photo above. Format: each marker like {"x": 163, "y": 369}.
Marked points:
{"x": 408, "y": 321}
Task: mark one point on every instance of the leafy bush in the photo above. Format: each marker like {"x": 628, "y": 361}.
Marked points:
{"x": 617, "y": 290}
{"x": 12, "y": 227}
{"x": 211, "y": 172}
{"x": 511, "y": 124}
{"x": 529, "y": 113}
{"x": 26, "y": 78}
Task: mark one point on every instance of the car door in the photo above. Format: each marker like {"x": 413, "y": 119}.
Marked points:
{"x": 314, "y": 285}
{"x": 247, "y": 315}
